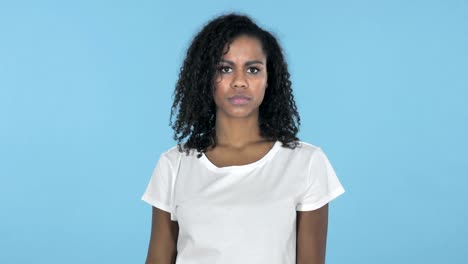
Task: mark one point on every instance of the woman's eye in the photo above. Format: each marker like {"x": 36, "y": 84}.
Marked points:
{"x": 253, "y": 70}
{"x": 224, "y": 69}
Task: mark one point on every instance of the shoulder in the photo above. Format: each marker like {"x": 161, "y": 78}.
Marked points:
{"x": 173, "y": 155}
{"x": 299, "y": 156}
{"x": 306, "y": 148}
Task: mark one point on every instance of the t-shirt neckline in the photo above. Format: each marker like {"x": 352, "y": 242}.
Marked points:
{"x": 245, "y": 167}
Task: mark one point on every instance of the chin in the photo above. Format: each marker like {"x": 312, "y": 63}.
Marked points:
{"x": 241, "y": 113}
{"x": 238, "y": 112}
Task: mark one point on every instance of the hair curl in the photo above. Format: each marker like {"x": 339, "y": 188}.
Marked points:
{"x": 194, "y": 89}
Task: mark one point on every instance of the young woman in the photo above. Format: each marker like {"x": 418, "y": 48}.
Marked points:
{"x": 242, "y": 188}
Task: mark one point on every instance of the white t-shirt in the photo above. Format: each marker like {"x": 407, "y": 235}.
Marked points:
{"x": 241, "y": 214}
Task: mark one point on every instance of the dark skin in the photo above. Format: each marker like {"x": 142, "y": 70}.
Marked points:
{"x": 163, "y": 241}
{"x": 242, "y": 71}
{"x": 312, "y": 236}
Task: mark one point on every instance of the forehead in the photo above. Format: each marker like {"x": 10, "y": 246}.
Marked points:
{"x": 244, "y": 47}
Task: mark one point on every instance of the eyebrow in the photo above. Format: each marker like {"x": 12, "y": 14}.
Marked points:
{"x": 246, "y": 63}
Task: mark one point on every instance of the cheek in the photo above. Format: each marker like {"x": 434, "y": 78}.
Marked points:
{"x": 261, "y": 80}
{"x": 221, "y": 85}
{"x": 217, "y": 86}
{"x": 219, "y": 91}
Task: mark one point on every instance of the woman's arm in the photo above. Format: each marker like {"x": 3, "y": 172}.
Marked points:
{"x": 163, "y": 242}
{"x": 312, "y": 236}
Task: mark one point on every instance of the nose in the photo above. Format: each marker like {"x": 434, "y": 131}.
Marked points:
{"x": 239, "y": 80}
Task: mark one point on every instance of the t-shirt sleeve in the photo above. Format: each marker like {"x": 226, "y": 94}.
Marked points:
{"x": 159, "y": 191}
{"x": 322, "y": 183}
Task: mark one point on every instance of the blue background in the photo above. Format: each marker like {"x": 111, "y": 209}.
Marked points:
{"x": 85, "y": 96}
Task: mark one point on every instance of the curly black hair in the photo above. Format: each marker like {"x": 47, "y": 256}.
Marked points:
{"x": 194, "y": 89}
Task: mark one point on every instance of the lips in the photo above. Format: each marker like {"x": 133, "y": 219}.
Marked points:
{"x": 239, "y": 99}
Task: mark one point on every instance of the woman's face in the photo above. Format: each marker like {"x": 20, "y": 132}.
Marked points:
{"x": 242, "y": 72}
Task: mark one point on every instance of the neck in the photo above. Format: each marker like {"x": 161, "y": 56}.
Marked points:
{"x": 237, "y": 132}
